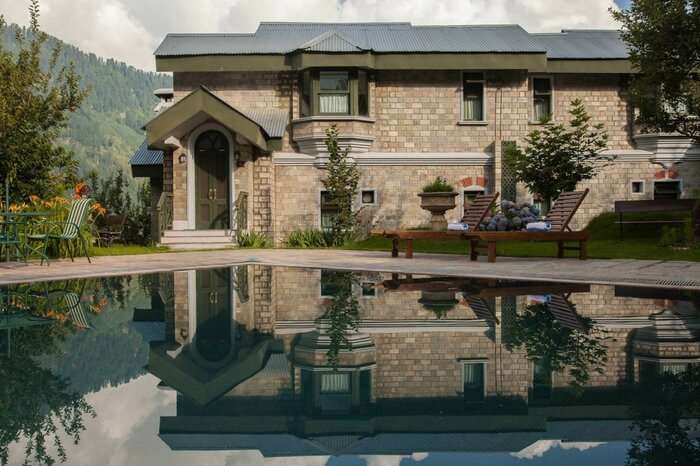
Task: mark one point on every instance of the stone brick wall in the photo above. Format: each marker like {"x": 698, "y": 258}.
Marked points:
{"x": 297, "y": 195}
{"x": 262, "y": 298}
{"x": 420, "y": 111}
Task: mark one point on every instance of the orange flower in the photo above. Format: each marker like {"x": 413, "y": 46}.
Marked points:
{"x": 34, "y": 199}
{"x": 81, "y": 189}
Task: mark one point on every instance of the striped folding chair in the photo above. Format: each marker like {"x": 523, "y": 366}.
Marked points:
{"x": 69, "y": 230}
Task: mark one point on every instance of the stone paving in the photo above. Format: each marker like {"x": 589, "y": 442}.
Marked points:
{"x": 672, "y": 274}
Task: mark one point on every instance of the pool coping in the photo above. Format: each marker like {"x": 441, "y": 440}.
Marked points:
{"x": 629, "y": 272}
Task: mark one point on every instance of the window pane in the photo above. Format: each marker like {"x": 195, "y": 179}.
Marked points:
{"x": 333, "y": 81}
{"x": 542, "y": 107}
{"x": 542, "y": 86}
{"x": 329, "y": 211}
{"x": 473, "y": 101}
{"x": 667, "y": 190}
{"x": 474, "y": 381}
{"x": 362, "y": 93}
{"x": 334, "y": 103}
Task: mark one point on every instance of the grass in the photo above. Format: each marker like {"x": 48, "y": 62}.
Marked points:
{"x": 640, "y": 242}
{"x": 126, "y": 249}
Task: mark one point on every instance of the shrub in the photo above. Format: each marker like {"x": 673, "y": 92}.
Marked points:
{"x": 309, "y": 238}
{"x": 253, "y": 239}
{"x": 440, "y": 185}
{"x": 672, "y": 237}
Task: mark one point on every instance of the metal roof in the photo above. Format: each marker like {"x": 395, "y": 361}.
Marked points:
{"x": 284, "y": 38}
{"x": 274, "y": 122}
{"x": 146, "y": 156}
{"x": 583, "y": 44}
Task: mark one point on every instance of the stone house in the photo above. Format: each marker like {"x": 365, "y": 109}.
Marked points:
{"x": 238, "y": 144}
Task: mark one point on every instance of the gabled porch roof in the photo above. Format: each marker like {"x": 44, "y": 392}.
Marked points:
{"x": 264, "y": 128}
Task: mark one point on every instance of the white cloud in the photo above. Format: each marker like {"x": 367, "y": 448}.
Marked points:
{"x": 540, "y": 447}
{"x": 130, "y": 30}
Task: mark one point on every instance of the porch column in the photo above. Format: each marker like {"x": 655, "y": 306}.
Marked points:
{"x": 180, "y": 190}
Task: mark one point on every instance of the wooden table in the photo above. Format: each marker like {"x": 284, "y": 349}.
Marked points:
{"x": 659, "y": 205}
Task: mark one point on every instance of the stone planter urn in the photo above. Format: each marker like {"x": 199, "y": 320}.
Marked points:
{"x": 437, "y": 204}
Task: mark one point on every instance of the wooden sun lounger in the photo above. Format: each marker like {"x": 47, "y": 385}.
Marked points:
{"x": 473, "y": 215}
{"x": 559, "y": 216}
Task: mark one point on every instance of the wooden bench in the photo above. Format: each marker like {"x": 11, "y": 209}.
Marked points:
{"x": 559, "y": 217}
{"x": 473, "y": 215}
{"x": 658, "y": 205}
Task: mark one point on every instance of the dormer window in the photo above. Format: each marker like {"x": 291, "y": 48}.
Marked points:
{"x": 334, "y": 93}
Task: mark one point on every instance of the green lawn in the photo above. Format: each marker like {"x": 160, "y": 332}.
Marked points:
{"x": 640, "y": 242}
{"x": 126, "y": 249}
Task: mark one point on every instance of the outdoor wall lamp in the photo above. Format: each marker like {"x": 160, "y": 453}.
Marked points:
{"x": 182, "y": 158}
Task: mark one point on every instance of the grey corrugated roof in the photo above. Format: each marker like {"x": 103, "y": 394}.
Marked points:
{"x": 146, "y": 156}
{"x": 583, "y": 44}
{"x": 331, "y": 41}
{"x": 283, "y": 38}
{"x": 272, "y": 121}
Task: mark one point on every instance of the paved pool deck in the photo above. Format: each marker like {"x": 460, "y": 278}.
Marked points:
{"x": 670, "y": 274}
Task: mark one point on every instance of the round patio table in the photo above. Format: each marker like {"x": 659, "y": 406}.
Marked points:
{"x": 9, "y": 232}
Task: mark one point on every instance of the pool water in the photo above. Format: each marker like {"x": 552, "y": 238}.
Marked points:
{"x": 253, "y": 364}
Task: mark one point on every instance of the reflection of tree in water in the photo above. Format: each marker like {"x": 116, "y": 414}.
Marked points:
{"x": 662, "y": 436}
{"x": 38, "y": 407}
{"x": 559, "y": 347}
{"x": 341, "y": 314}
{"x": 35, "y": 404}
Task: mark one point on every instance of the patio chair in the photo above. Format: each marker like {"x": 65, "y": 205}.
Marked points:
{"x": 71, "y": 229}
{"x": 112, "y": 230}
{"x": 473, "y": 215}
{"x": 559, "y": 217}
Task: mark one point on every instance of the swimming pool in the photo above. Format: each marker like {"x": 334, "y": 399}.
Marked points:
{"x": 254, "y": 364}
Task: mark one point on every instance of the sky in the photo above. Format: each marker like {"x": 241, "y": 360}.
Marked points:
{"x": 130, "y": 30}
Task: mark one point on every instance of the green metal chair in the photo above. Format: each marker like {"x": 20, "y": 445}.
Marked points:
{"x": 70, "y": 230}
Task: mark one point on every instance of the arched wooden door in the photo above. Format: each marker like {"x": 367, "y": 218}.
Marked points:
{"x": 212, "y": 181}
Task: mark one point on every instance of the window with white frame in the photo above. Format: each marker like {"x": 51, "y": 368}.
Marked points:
{"x": 368, "y": 197}
{"x": 473, "y": 85}
{"x": 368, "y": 289}
{"x": 637, "y": 187}
{"x": 541, "y": 98}
{"x": 667, "y": 189}
{"x": 474, "y": 380}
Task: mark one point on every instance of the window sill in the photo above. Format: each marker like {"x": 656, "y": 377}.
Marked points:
{"x": 472, "y": 123}
{"x": 334, "y": 118}
{"x": 539, "y": 123}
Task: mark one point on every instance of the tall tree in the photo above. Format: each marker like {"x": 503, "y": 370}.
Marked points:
{"x": 341, "y": 184}
{"x": 35, "y": 102}
{"x": 558, "y": 157}
{"x": 664, "y": 41}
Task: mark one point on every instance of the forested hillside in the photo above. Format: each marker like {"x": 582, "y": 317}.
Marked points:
{"x": 107, "y": 128}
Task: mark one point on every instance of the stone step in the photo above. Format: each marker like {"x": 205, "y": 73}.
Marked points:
{"x": 196, "y": 233}
{"x": 195, "y": 246}
{"x": 197, "y": 240}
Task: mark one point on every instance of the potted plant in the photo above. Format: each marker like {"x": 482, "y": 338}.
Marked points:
{"x": 438, "y": 197}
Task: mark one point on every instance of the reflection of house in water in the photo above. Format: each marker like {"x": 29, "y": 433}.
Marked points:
{"x": 428, "y": 363}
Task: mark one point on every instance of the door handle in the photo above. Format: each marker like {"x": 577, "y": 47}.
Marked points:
{"x": 214, "y": 196}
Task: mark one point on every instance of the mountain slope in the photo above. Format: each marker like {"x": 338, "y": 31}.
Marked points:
{"x": 107, "y": 128}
